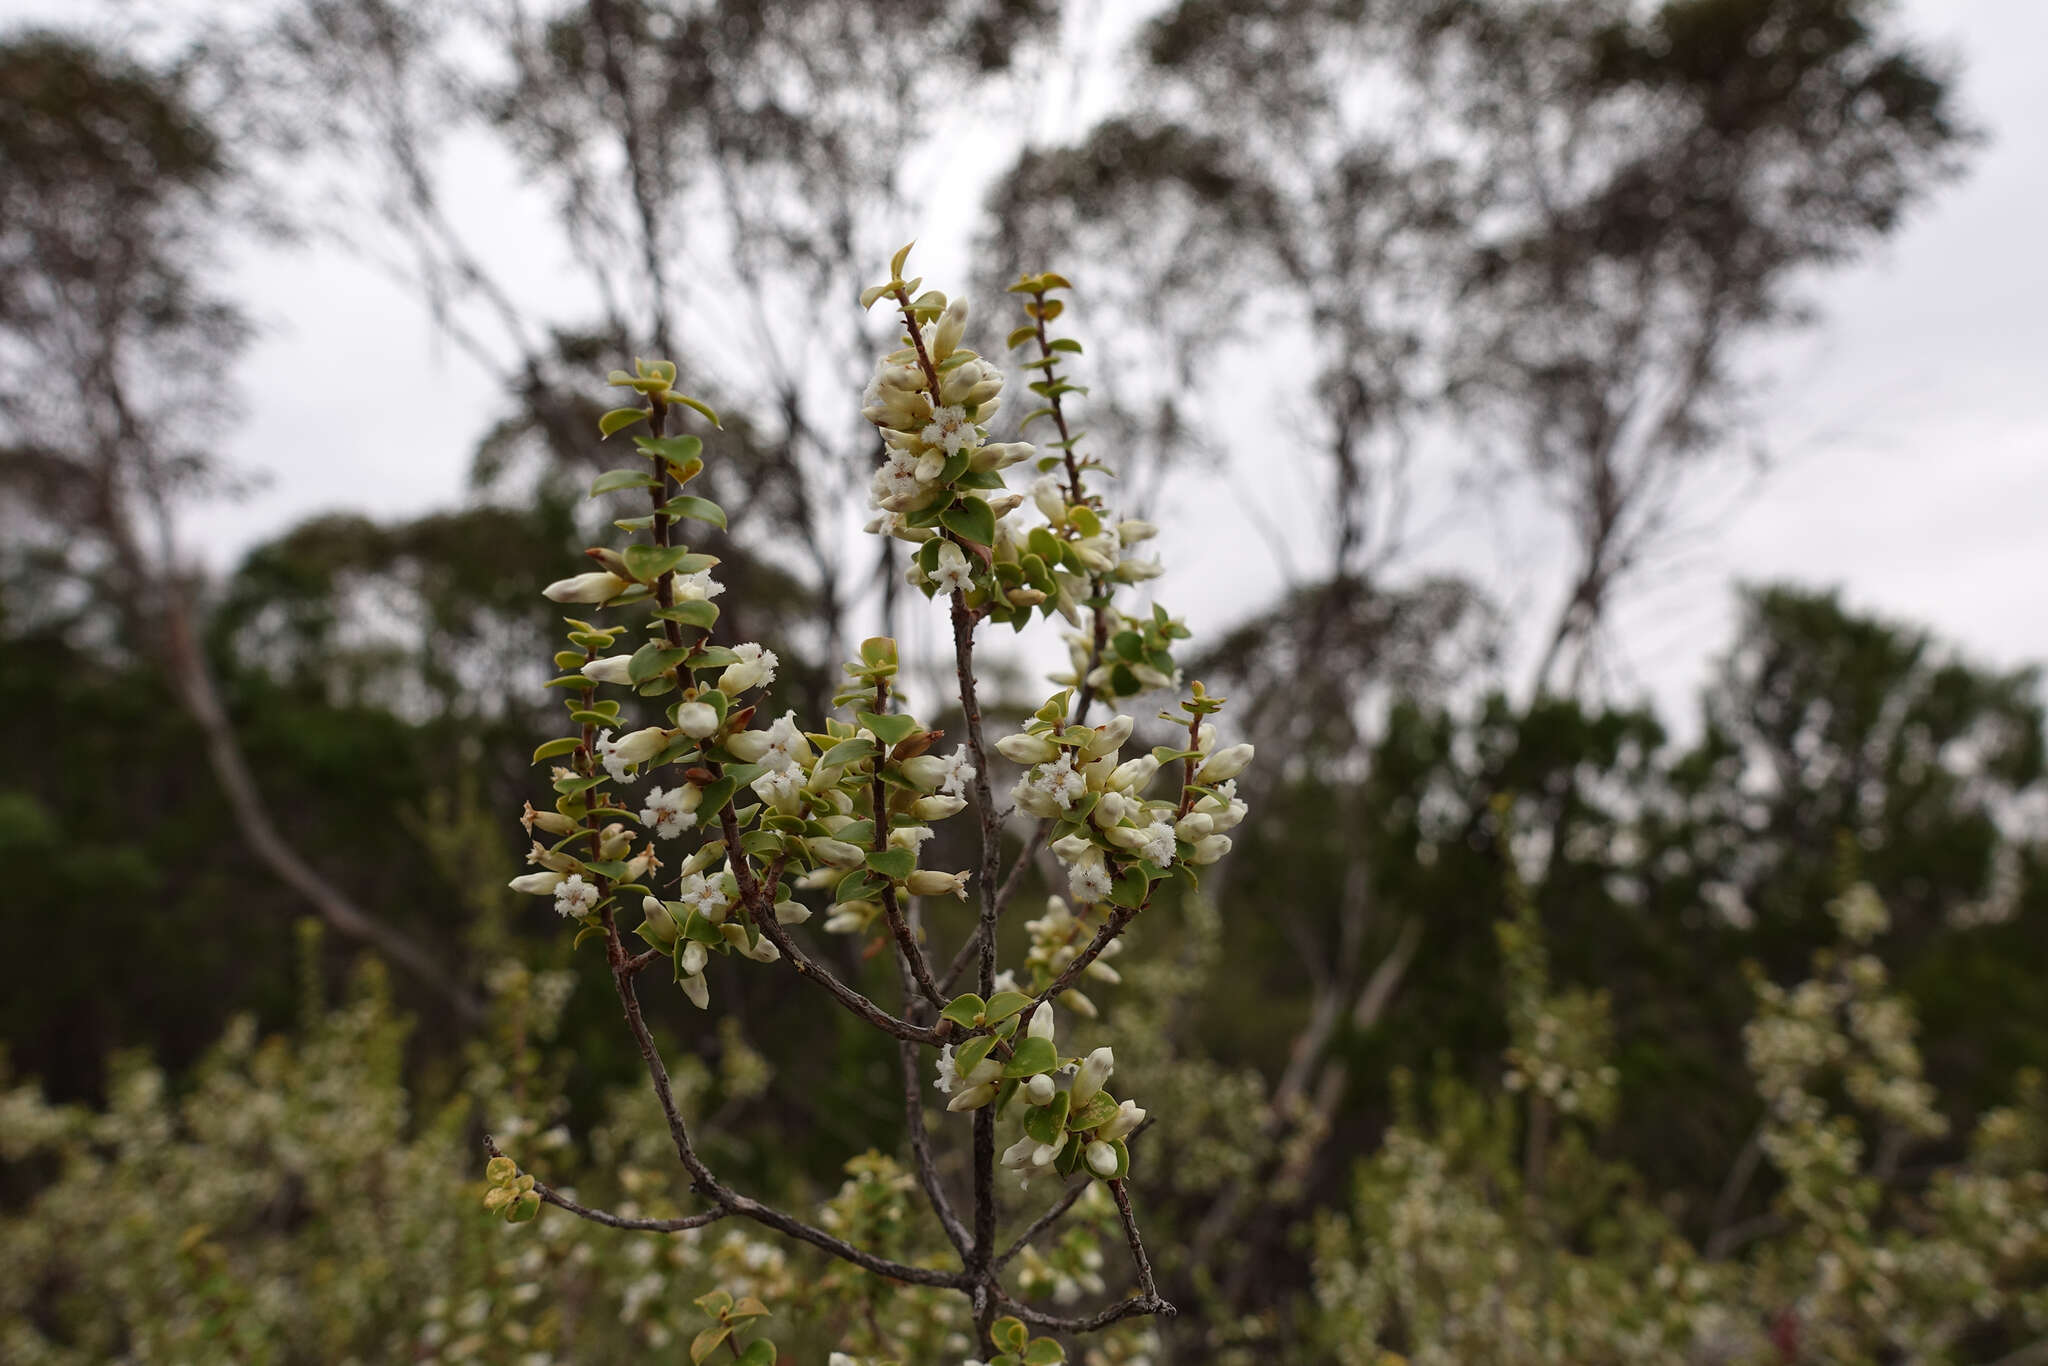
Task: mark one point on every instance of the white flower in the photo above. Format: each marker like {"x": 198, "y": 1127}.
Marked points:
{"x": 959, "y": 772}
{"x": 947, "y": 1076}
{"x": 1088, "y": 880}
{"x": 755, "y": 668}
{"x": 669, "y": 813}
{"x": 594, "y": 587}
{"x": 697, "y": 587}
{"x": 953, "y": 574}
{"x": 1158, "y": 842}
{"x": 786, "y": 744}
{"x": 1059, "y": 782}
{"x": 949, "y": 430}
{"x": 575, "y": 896}
{"x": 703, "y": 895}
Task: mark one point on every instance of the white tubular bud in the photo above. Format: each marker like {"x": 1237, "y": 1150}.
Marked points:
{"x": 641, "y": 745}
{"x": 1027, "y": 749}
{"x": 1132, "y": 531}
{"x": 609, "y": 670}
{"x": 952, "y": 323}
{"x": 1224, "y": 764}
{"x": 697, "y": 990}
{"x": 1109, "y": 737}
{"x": 1120, "y": 1125}
{"x": 1042, "y": 1022}
{"x": 791, "y": 913}
{"x": 1133, "y": 774}
{"x": 937, "y": 808}
{"x": 593, "y": 587}
{"x": 1094, "y": 1071}
{"x": 1101, "y": 1159}
{"x": 973, "y": 1098}
{"x": 931, "y": 882}
{"x": 538, "y": 884}
{"x": 1208, "y": 849}
{"x": 695, "y": 956}
{"x": 1040, "y": 1090}
{"x": 925, "y": 772}
{"x": 838, "y": 853}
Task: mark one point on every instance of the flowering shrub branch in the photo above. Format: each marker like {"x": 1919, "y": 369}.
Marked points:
{"x": 743, "y": 823}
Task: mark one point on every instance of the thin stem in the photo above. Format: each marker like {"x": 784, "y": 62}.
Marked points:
{"x": 1116, "y": 1313}
{"x": 752, "y": 896}
{"x": 550, "y": 1196}
{"x": 1146, "y": 1288}
{"x": 1043, "y": 1222}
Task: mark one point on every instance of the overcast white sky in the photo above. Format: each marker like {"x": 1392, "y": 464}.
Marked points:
{"x": 1909, "y": 432}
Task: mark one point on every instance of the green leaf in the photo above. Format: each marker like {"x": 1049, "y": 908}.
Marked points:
{"x": 1018, "y": 336}
{"x": 895, "y": 864}
{"x": 699, "y": 509}
{"x": 968, "y": 1055}
{"x": 1100, "y": 1109}
{"x": 749, "y": 1308}
{"x": 716, "y": 795}
{"x": 709, "y": 1341}
{"x": 569, "y": 787}
{"x": 681, "y": 449}
{"x": 1004, "y": 1004}
{"x": 618, "y": 419}
{"x": 1033, "y": 1056}
{"x": 962, "y": 1010}
{"x": 554, "y": 748}
{"x": 971, "y": 519}
{"x": 1129, "y": 889}
{"x": 761, "y": 1352}
{"x": 1047, "y": 1122}
{"x": 649, "y": 562}
{"x": 704, "y": 408}
{"x": 1044, "y": 1352}
{"x": 697, "y": 613}
{"x": 611, "y": 481}
{"x": 847, "y": 752}
{"x": 652, "y": 660}
{"x": 890, "y": 730}
{"x": 1008, "y": 1333}
{"x": 1066, "y": 344}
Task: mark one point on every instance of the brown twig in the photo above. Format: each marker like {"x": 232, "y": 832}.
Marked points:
{"x": 550, "y": 1196}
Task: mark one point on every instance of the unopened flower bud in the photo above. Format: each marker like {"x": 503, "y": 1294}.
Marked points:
{"x": 1208, "y": 849}
{"x": 1101, "y": 1159}
{"x": 1132, "y": 531}
{"x": 1094, "y": 1071}
{"x": 697, "y": 719}
{"x": 1120, "y": 1125}
{"x": 697, "y": 989}
{"x": 593, "y": 587}
{"x": 1042, "y": 1023}
{"x": 930, "y": 882}
{"x": 537, "y": 884}
{"x": 791, "y": 913}
{"x": 551, "y": 822}
{"x": 937, "y": 808}
{"x": 946, "y": 338}
{"x": 1224, "y": 764}
{"x": 1027, "y": 749}
{"x": 1132, "y": 775}
{"x": 838, "y": 853}
{"x": 660, "y": 926}
{"x": 641, "y": 745}
{"x": 613, "y": 669}
{"x": 1040, "y": 1090}
{"x": 1109, "y": 737}
{"x": 925, "y": 771}
{"x": 973, "y": 1098}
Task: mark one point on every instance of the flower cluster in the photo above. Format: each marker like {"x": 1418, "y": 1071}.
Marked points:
{"x": 1114, "y": 842}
